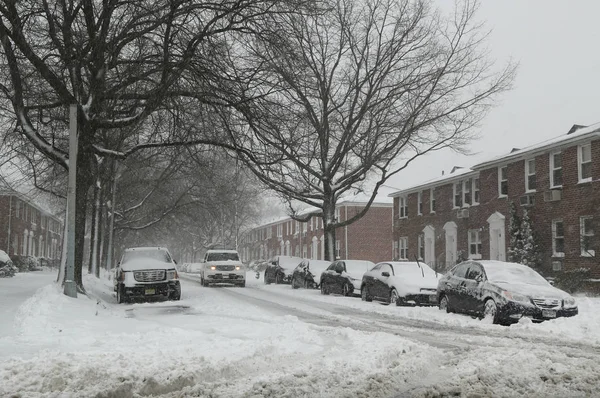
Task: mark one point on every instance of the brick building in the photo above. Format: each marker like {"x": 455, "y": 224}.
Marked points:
{"x": 28, "y": 230}
{"x": 466, "y": 213}
{"x": 366, "y": 239}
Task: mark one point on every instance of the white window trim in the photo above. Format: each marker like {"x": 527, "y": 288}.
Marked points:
{"x": 500, "y": 194}
{"x": 552, "y": 169}
{"x": 454, "y": 206}
{"x": 402, "y": 207}
{"x": 579, "y": 164}
{"x": 420, "y": 243}
{"x": 464, "y": 193}
{"x": 554, "y": 252}
{"x": 420, "y": 203}
{"x": 527, "y": 175}
{"x": 431, "y": 200}
{"x": 473, "y": 201}
{"x": 585, "y": 253}
{"x": 403, "y": 245}
{"x": 476, "y": 256}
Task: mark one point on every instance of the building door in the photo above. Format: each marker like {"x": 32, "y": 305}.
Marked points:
{"x": 451, "y": 243}
{"x": 497, "y": 237}
{"x": 429, "y": 236}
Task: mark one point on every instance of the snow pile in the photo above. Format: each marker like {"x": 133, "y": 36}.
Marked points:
{"x": 4, "y": 258}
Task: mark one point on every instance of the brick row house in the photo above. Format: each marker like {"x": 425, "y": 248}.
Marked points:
{"x": 28, "y": 230}
{"x": 366, "y": 239}
{"x": 466, "y": 213}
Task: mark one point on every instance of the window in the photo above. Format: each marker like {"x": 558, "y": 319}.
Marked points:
{"x": 297, "y": 230}
{"x": 402, "y": 207}
{"x": 432, "y": 200}
{"x": 304, "y": 227}
{"x": 558, "y": 238}
{"x": 474, "y": 272}
{"x": 18, "y": 209}
{"x": 420, "y": 203}
{"x": 458, "y": 194}
{"x": 467, "y": 196}
{"x": 502, "y": 181}
{"x": 311, "y": 223}
{"x": 304, "y": 251}
{"x": 555, "y": 170}
{"x": 395, "y": 250}
{"x": 475, "y": 191}
{"x": 280, "y": 230}
{"x": 337, "y": 214}
{"x": 530, "y": 175}
{"x": 587, "y": 236}
{"x": 337, "y": 249}
{"x": 474, "y": 244}
{"x": 403, "y": 248}
{"x": 421, "y": 244}
{"x": 585, "y": 162}
{"x": 269, "y": 232}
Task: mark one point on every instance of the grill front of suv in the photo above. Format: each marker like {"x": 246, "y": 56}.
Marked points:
{"x": 152, "y": 275}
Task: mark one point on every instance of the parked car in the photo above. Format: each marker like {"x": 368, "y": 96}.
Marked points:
{"x": 402, "y": 283}
{"x": 280, "y": 269}
{"x": 7, "y": 269}
{"x": 502, "y": 292}
{"x": 146, "y": 272}
{"x": 344, "y": 277}
{"x": 308, "y": 274}
{"x": 194, "y": 268}
{"x": 222, "y": 266}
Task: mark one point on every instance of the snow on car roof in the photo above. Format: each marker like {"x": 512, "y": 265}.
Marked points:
{"x": 132, "y": 249}
{"x": 500, "y": 271}
{"x": 221, "y": 251}
{"x": 419, "y": 269}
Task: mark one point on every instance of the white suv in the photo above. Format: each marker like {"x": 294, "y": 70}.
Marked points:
{"x": 222, "y": 266}
{"x": 146, "y": 272}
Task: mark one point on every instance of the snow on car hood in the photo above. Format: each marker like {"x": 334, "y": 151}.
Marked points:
{"x": 227, "y": 262}
{"x": 138, "y": 264}
{"x": 534, "y": 291}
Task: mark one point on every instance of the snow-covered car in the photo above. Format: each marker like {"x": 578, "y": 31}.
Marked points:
{"x": 402, "y": 283}
{"x": 308, "y": 274}
{"x": 280, "y": 269}
{"x": 344, "y": 277}
{"x": 194, "y": 268}
{"x": 7, "y": 268}
{"x": 502, "y": 292}
{"x": 146, "y": 272}
{"x": 222, "y": 266}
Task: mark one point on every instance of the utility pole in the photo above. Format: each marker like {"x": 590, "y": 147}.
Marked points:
{"x": 70, "y": 286}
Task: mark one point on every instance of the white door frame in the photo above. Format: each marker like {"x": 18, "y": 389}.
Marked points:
{"x": 429, "y": 243}
{"x": 451, "y": 243}
{"x": 497, "y": 226}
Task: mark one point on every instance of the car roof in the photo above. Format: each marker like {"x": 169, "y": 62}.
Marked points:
{"x": 221, "y": 251}
{"x": 133, "y": 249}
{"x": 494, "y": 264}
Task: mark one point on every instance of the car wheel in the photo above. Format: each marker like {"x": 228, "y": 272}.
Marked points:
{"x": 175, "y": 296}
{"x": 490, "y": 311}
{"x": 279, "y": 279}
{"x": 294, "y": 283}
{"x": 444, "y": 304}
{"x": 324, "y": 289}
{"x": 243, "y": 284}
{"x": 394, "y": 297}
{"x": 346, "y": 290}
{"x": 120, "y": 294}
{"x": 364, "y": 294}
{"x": 267, "y": 280}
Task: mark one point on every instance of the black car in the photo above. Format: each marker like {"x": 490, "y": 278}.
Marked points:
{"x": 502, "y": 292}
{"x": 308, "y": 274}
{"x": 344, "y": 277}
{"x": 280, "y": 269}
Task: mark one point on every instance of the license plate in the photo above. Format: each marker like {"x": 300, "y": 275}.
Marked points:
{"x": 150, "y": 291}
{"x": 549, "y": 313}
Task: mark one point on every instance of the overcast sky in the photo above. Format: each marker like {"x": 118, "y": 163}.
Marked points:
{"x": 557, "y": 84}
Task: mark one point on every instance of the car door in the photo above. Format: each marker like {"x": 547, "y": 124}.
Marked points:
{"x": 382, "y": 282}
{"x": 473, "y": 288}
{"x": 455, "y": 285}
{"x": 339, "y": 279}
{"x": 370, "y": 279}
{"x": 327, "y": 276}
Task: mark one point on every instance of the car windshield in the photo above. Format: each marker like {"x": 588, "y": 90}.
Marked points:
{"x": 413, "y": 269}
{"x": 513, "y": 273}
{"x": 222, "y": 257}
{"x": 356, "y": 267}
{"x": 160, "y": 255}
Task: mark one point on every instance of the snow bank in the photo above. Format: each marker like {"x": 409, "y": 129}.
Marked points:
{"x": 4, "y": 258}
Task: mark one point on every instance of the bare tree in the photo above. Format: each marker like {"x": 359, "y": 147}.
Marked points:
{"x": 352, "y": 94}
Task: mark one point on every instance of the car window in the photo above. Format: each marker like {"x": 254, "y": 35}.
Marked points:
{"x": 376, "y": 268}
{"x": 461, "y": 270}
{"x": 474, "y": 271}
{"x": 222, "y": 257}
{"x": 331, "y": 267}
{"x": 387, "y": 268}
{"x": 160, "y": 255}
{"x": 340, "y": 267}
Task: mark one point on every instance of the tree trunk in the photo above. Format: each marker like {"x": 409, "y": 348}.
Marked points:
{"x": 84, "y": 181}
{"x": 93, "y": 229}
{"x": 329, "y": 229}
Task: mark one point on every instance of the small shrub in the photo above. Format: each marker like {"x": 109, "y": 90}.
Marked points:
{"x": 572, "y": 280}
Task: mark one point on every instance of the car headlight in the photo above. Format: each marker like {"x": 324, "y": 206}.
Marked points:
{"x": 569, "y": 302}
{"x": 516, "y": 297}
{"x": 213, "y": 268}
{"x": 237, "y": 268}
{"x": 172, "y": 274}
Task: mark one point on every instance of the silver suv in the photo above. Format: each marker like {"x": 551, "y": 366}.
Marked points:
{"x": 222, "y": 266}
{"x": 146, "y": 272}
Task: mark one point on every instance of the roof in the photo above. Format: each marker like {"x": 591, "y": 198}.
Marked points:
{"x": 44, "y": 210}
{"x": 221, "y": 251}
{"x": 133, "y": 249}
{"x": 576, "y": 134}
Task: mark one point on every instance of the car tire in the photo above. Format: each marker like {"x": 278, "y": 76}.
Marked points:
{"x": 364, "y": 294}
{"x": 394, "y": 297}
{"x": 267, "y": 280}
{"x": 294, "y": 283}
{"x": 121, "y": 298}
{"x": 278, "y": 279}
{"x": 490, "y": 311}
{"x": 346, "y": 290}
{"x": 243, "y": 284}
{"x": 444, "y": 304}
{"x": 324, "y": 289}
{"x": 175, "y": 296}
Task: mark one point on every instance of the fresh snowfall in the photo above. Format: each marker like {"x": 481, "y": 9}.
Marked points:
{"x": 273, "y": 341}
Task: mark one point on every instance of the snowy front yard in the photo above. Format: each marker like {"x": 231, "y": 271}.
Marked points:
{"x": 272, "y": 341}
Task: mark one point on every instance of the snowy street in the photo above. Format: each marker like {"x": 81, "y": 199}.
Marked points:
{"x": 273, "y": 341}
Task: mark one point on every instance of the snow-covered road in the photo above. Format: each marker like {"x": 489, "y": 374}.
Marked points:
{"x": 272, "y": 341}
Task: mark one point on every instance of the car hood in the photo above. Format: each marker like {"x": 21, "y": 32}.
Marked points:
{"x": 235, "y": 263}
{"x": 534, "y": 291}
{"x": 412, "y": 285}
{"x": 145, "y": 263}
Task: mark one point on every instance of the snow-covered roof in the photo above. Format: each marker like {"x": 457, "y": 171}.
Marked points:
{"x": 42, "y": 208}
{"x": 576, "y": 134}
{"x": 456, "y": 174}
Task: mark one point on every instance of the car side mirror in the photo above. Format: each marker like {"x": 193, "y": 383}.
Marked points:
{"x": 479, "y": 278}
{"x": 386, "y": 274}
{"x": 339, "y": 270}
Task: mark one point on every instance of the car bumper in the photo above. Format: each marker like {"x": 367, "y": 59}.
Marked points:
{"x": 512, "y": 312}
{"x": 224, "y": 277}
{"x": 419, "y": 299}
{"x": 152, "y": 289}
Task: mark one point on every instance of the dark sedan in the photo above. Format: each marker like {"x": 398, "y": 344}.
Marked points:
{"x": 344, "y": 277}
{"x": 280, "y": 269}
{"x": 308, "y": 274}
{"x": 502, "y": 292}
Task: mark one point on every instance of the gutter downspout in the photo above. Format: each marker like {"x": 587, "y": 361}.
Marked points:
{"x": 9, "y": 225}
{"x": 346, "y": 232}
